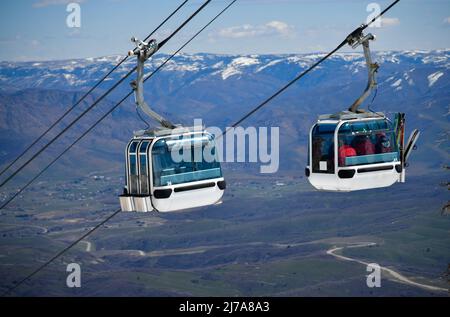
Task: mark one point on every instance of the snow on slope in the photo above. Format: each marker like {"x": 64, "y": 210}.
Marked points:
{"x": 433, "y": 78}
{"x": 237, "y": 65}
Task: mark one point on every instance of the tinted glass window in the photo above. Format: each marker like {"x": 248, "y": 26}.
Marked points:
{"x": 322, "y": 148}
{"x": 133, "y": 172}
{"x": 193, "y": 167}
{"x": 143, "y": 147}
{"x": 367, "y": 142}
{"x": 133, "y": 165}
{"x": 143, "y": 165}
{"x": 133, "y": 147}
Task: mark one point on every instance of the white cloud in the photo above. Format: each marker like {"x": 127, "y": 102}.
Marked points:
{"x": 387, "y": 22}
{"x": 247, "y": 30}
{"x": 281, "y": 27}
{"x": 447, "y": 20}
{"x": 46, "y": 3}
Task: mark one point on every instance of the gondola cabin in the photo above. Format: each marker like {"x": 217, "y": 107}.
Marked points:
{"x": 353, "y": 151}
{"x": 172, "y": 170}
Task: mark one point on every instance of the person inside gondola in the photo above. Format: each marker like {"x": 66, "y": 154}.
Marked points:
{"x": 363, "y": 145}
{"x": 383, "y": 144}
{"x": 345, "y": 150}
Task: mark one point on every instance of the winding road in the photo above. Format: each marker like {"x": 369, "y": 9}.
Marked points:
{"x": 333, "y": 252}
{"x": 88, "y": 245}
{"x": 393, "y": 273}
{"x": 42, "y": 229}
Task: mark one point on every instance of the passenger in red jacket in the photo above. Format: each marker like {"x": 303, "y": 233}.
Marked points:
{"x": 344, "y": 151}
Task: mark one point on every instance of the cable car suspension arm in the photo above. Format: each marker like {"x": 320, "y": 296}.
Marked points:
{"x": 143, "y": 52}
{"x": 354, "y": 40}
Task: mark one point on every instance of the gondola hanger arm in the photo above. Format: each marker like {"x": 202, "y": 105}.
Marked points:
{"x": 143, "y": 52}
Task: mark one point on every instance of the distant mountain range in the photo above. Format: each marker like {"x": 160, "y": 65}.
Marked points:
{"x": 220, "y": 89}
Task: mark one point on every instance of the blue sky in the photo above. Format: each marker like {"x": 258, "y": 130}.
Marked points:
{"x": 37, "y": 30}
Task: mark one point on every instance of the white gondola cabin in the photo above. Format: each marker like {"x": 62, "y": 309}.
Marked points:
{"x": 168, "y": 172}
{"x": 350, "y": 151}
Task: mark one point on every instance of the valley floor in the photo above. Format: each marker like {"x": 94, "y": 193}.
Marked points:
{"x": 270, "y": 237}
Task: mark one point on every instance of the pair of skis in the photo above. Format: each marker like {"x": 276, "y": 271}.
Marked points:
{"x": 405, "y": 151}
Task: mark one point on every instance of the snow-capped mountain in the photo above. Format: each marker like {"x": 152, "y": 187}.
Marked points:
{"x": 221, "y": 88}
{"x": 82, "y": 73}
